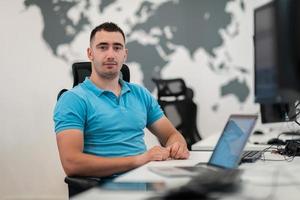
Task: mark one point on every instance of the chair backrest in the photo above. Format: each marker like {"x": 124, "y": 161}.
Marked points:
{"x": 81, "y": 70}
{"x": 176, "y": 100}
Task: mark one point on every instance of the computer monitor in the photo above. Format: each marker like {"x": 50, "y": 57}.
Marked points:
{"x": 276, "y": 59}
{"x": 265, "y": 87}
{"x": 287, "y": 15}
{"x": 277, "y": 112}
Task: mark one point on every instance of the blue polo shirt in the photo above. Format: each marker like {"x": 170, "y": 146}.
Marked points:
{"x": 112, "y": 126}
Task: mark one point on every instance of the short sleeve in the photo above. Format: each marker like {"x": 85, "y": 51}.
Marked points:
{"x": 154, "y": 111}
{"x": 69, "y": 112}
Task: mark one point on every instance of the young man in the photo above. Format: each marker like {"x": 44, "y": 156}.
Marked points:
{"x": 99, "y": 123}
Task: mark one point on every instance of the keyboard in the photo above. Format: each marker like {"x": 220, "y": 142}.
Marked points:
{"x": 250, "y": 156}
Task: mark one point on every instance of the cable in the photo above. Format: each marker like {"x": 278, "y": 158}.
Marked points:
{"x": 297, "y": 113}
{"x": 279, "y": 150}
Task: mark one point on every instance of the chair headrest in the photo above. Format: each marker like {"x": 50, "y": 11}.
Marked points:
{"x": 170, "y": 87}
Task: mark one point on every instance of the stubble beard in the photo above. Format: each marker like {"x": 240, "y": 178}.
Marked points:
{"x": 108, "y": 75}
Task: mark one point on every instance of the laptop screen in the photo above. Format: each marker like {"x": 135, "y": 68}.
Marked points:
{"x": 233, "y": 139}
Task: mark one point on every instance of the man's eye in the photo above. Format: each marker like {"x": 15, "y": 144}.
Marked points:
{"x": 118, "y": 48}
{"x": 102, "y": 47}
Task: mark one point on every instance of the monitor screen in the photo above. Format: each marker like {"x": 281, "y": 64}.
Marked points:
{"x": 287, "y": 18}
{"x": 276, "y": 60}
{"x": 276, "y": 54}
{"x": 265, "y": 54}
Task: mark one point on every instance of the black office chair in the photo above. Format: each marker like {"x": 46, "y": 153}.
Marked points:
{"x": 80, "y": 71}
{"x": 176, "y": 100}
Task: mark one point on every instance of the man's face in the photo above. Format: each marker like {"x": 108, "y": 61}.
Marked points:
{"x": 107, "y": 53}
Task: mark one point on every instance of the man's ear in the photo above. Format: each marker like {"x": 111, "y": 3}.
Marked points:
{"x": 90, "y": 53}
{"x": 126, "y": 55}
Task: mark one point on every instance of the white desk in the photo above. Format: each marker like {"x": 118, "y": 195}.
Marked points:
{"x": 255, "y": 142}
{"x": 208, "y": 144}
{"x": 260, "y": 180}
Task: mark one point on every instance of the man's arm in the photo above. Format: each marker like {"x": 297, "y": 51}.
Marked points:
{"x": 170, "y": 138}
{"x": 75, "y": 162}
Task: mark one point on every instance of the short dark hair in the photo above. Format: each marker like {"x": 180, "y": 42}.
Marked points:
{"x": 107, "y": 26}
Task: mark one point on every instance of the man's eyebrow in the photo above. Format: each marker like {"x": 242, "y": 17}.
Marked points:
{"x": 114, "y": 44}
{"x": 118, "y": 44}
{"x": 102, "y": 43}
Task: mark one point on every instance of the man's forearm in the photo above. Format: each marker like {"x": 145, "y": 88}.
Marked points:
{"x": 175, "y": 137}
{"x": 177, "y": 146}
{"x": 83, "y": 164}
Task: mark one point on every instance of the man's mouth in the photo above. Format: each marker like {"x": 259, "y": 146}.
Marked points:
{"x": 110, "y": 63}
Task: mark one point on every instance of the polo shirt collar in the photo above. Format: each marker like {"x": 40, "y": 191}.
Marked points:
{"x": 125, "y": 87}
{"x": 98, "y": 91}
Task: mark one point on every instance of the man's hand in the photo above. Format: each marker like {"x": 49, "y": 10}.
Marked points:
{"x": 178, "y": 151}
{"x": 170, "y": 138}
{"x": 158, "y": 153}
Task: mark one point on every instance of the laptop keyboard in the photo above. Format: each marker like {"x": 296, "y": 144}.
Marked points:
{"x": 250, "y": 156}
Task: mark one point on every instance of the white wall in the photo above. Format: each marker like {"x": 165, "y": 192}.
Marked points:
{"x": 30, "y": 80}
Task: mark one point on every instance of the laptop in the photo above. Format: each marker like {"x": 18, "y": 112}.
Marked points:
{"x": 227, "y": 152}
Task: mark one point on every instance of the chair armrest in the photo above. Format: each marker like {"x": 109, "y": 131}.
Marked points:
{"x": 82, "y": 182}
{"x": 78, "y": 184}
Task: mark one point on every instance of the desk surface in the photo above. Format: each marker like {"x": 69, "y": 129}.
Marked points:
{"x": 208, "y": 144}
{"x": 255, "y": 142}
{"x": 260, "y": 180}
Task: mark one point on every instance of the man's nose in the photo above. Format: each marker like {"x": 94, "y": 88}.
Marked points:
{"x": 111, "y": 53}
